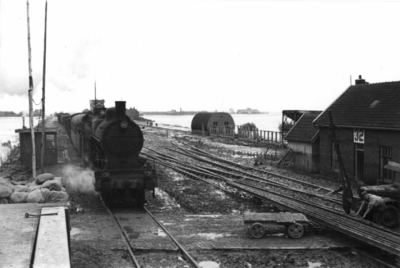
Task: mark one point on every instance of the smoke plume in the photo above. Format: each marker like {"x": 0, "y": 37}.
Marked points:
{"x": 78, "y": 180}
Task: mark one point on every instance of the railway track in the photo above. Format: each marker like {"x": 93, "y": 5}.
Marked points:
{"x": 365, "y": 231}
{"x": 227, "y": 172}
{"x": 124, "y": 219}
{"x": 279, "y": 177}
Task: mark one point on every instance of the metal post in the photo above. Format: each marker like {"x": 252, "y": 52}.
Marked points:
{"x": 43, "y": 91}
{"x": 282, "y": 128}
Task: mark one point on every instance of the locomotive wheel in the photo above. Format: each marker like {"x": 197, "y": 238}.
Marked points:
{"x": 295, "y": 230}
{"x": 106, "y": 199}
{"x": 257, "y": 230}
{"x": 389, "y": 217}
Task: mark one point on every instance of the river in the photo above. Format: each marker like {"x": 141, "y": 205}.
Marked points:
{"x": 269, "y": 122}
{"x": 8, "y": 125}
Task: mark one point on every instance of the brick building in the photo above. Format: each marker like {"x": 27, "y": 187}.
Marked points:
{"x": 367, "y": 117}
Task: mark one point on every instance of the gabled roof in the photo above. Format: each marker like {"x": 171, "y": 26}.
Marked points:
{"x": 303, "y": 130}
{"x": 373, "y": 106}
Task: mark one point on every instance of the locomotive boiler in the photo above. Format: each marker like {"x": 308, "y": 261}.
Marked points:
{"x": 110, "y": 142}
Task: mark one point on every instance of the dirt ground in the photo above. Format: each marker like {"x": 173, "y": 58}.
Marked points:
{"x": 95, "y": 242}
{"x": 195, "y": 197}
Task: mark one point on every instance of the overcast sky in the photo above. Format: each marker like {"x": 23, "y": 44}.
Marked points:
{"x": 196, "y": 55}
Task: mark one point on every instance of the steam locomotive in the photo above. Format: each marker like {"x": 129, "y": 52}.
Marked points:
{"x": 110, "y": 143}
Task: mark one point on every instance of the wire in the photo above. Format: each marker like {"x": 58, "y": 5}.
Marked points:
{"x": 36, "y": 103}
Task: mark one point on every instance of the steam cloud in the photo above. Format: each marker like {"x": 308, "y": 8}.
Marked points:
{"x": 78, "y": 180}
{"x": 4, "y": 153}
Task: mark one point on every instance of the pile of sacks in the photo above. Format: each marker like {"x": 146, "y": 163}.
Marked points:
{"x": 45, "y": 189}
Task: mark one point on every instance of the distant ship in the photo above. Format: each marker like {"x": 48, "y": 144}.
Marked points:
{"x": 248, "y": 111}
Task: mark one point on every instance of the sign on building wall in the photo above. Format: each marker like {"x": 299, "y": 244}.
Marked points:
{"x": 359, "y": 135}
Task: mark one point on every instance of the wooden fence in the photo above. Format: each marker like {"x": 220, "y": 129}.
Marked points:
{"x": 259, "y": 135}
{"x": 224, "y": 131}
{"x": 244, "y": 133}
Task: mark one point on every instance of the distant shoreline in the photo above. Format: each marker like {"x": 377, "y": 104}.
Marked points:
{"x": 188, "y": 113}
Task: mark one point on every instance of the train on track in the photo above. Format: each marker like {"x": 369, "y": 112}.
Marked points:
{"x": 110, "y": 143}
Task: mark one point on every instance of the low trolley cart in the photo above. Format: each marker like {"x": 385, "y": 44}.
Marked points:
{"x": 294, "y": 224}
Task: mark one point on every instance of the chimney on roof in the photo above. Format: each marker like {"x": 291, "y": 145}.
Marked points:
{"x": 360, "y": 81}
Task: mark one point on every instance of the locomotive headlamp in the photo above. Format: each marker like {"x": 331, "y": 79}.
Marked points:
{"x": 105, "y": 173}
{"x": 123, "y": 124}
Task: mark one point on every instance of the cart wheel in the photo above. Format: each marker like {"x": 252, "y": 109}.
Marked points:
{"x": 295, "y": 230}
{"x": 257, "y": 230}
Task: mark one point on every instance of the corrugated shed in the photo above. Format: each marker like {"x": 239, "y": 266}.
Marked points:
{"x": 199, "y": 119}
{"x": 303, "y": 130}
{"x": 205, "y": 117}
{"x": 375, "y": 106}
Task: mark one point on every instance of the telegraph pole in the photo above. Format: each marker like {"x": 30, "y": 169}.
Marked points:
{"x": 43, "y": 90}
{"x": 30, "y": 97}
{"x": 95, "y": 97}
{"x": 347, "y": 196}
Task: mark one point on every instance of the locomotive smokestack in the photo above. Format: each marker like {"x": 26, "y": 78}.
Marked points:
{"x": 120, "y": 109}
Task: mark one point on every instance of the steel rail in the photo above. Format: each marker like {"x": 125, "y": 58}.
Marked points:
{"x": 329, "y": 208}
{"x": 190, "y": 154}
{"x": 349, "y": 221}
{"x": 216, "y": 176}
{"x": 251, "y": 176}
{"x": 123, "y": 234}
{"x": 257, "y": 169}
{"x": 187, "y": 255}
{"x": 376, "y": 225}
{"x": 386, "y": 243}
{"x": 364, "y": 233}
{"x": 289, "y": 207}
{"x": 326, "y": 208}
{"x": 128, "y": 245}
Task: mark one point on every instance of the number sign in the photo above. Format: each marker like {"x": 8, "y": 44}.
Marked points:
{"x": 359, "y": 135}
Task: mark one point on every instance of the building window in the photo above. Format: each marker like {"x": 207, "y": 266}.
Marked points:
{"x": 50, "y": 141}
{"x": 334, "y": 159}
{"x": 215, "y": 124}
{"x": 359, "y": 161}
{"x": 385, "y": 155}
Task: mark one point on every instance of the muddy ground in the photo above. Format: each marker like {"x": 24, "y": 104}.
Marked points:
{"x": 195, "y": 197}
{"x": 177, "y": 195}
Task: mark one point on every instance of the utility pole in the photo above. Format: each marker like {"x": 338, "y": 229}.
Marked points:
{"x": 347, "y": 196}
{"x": 43, "y": 90}
{"x": 30, "y": 98}
{"x": 95, "y": 97}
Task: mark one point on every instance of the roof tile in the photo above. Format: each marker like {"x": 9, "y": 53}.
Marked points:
{"x": 353, "y": 107}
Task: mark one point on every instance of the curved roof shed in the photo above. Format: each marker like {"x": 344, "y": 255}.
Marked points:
{"x": 211, "y": 120}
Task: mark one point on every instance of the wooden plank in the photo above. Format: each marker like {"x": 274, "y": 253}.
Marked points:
{"x": 282, "y": 217}
{"x": 52, "y": 249}
{"x": 17, "y": 234}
